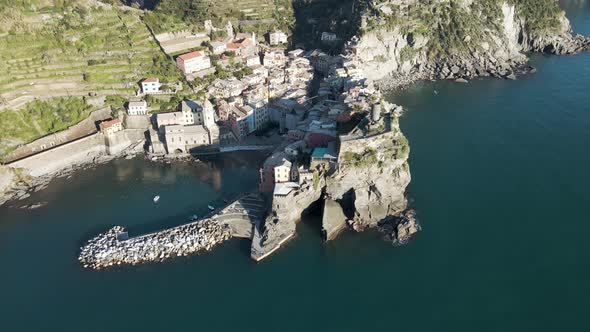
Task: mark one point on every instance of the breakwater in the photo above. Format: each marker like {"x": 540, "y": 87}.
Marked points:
{"x": 114, "y": 247}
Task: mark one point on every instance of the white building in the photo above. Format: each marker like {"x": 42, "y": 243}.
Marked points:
{"x": 110, "y": 127}
{"x": 150, "y": 85}
{"x": 218, "y": 47}
{"x": 139, "y": 107}
{"x": 252, "y": 61}
{"x": 283, "y": 171}
{"x": 277, "y": 38}
{"x": 274, "y": 59}
{"x": 296, "y": 53}
{"x": 193, "y": 62}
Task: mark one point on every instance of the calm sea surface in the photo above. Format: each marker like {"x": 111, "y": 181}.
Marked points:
{"x": 500, "y": 179}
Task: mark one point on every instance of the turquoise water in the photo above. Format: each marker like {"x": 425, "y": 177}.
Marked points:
{"x": 500, "y": 181}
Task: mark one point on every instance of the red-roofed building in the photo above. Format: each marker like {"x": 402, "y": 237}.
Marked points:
{"x": 242, "y": 47}
{"x": 193, "y": 62}
{"x": 112, "y": 126}
{"x": 150, "y": 85}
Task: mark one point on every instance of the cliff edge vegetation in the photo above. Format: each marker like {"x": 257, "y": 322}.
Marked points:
{"x": 452, "y": 39}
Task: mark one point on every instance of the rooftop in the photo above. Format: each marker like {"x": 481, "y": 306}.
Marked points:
{"x": 137, "y": 103}
{"x": 151, "y": 80}
{"x": 323, "y": 153}
{"x": 110, "y": 123}
{"x": 191, "y": 55}
{"x": 284, "y": 189}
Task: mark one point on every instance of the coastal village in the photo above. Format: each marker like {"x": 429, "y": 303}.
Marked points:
{"x": 308, "y": 99}
{"x": 329, "y": 134}
{"x": 252, "y": 94}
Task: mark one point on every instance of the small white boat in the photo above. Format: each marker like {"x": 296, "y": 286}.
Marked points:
{"x": 210, "y": 207}
{"x": 435, "y": 92}
{"x": 156, "y": 199}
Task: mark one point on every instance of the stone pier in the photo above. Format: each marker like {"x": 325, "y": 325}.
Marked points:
{"x": 114, "y": 247}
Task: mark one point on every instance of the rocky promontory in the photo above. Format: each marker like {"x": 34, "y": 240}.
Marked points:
{"x": 401, "y": 41}
{"x": 366, "y": 189}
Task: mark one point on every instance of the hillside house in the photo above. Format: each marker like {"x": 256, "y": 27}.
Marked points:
{"x": 193, "y": 62}
{"x": 137, "y": 107}
{"x": 150, "y": 85}
{"x": 218, "y": 47}
{"x": 277, "y": 38}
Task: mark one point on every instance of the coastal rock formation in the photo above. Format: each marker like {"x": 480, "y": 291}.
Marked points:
{"x": 458, "y": 39}
{"x": 372, "y": 177}
{"x": 369, "y": 182}
{"x": 401, "y": 228}
{"x": 333, "y": 219}
{"x": 285, "y": 212}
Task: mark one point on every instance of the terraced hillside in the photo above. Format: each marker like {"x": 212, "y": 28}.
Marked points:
{"x": 80, "y": 49}
{"x": 175, "y": 14}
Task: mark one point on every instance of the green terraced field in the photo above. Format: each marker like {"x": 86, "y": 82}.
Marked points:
{"x": 90, "y": 48}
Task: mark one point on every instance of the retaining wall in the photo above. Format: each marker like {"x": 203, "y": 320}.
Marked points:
{"x": 51, "y": 161}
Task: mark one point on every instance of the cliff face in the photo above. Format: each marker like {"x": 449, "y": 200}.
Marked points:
{"x": 458, "y": 38}
{"x": 372, "y": 178}
{"x": 286, "y": 211}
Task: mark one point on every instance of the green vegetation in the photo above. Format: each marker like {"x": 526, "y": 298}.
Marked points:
{"x": 541, "y": 16}
{"x": 368, "y": 157}
{"x": 408, "y": 53}
{"x": 39, "y": 118}
{"x": 254, "y": 15}
{"x": 451, "y": 25}
{"x": 316, "y": 179}
{"x": 91, "y": 47}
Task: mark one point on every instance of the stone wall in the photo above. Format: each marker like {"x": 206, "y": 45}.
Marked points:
{"x": 124, "y": 140}
{"x": 84, "y": 128}
{"x": 64, "y": 156}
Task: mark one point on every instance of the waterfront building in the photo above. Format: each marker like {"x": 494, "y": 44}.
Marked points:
{"x": 242, "y": 122}
{"x": 109, "y": 127}
{"x": 193, "y": 62}
{"x": 137, "y": 107}
{"x": 150, "y": 85}
{"x": 277, "y": 169}
{"x": 180, "y": 139}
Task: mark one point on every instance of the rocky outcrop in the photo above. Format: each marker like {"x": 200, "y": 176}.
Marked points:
{"x": 400, "y": 229}
{"x": 333, "y": 219}
{"x": 370, "y": 182}
{"x": 372, "y": 177}
{"x": 285, "y": 212}
{"x": 400, "y": 53}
